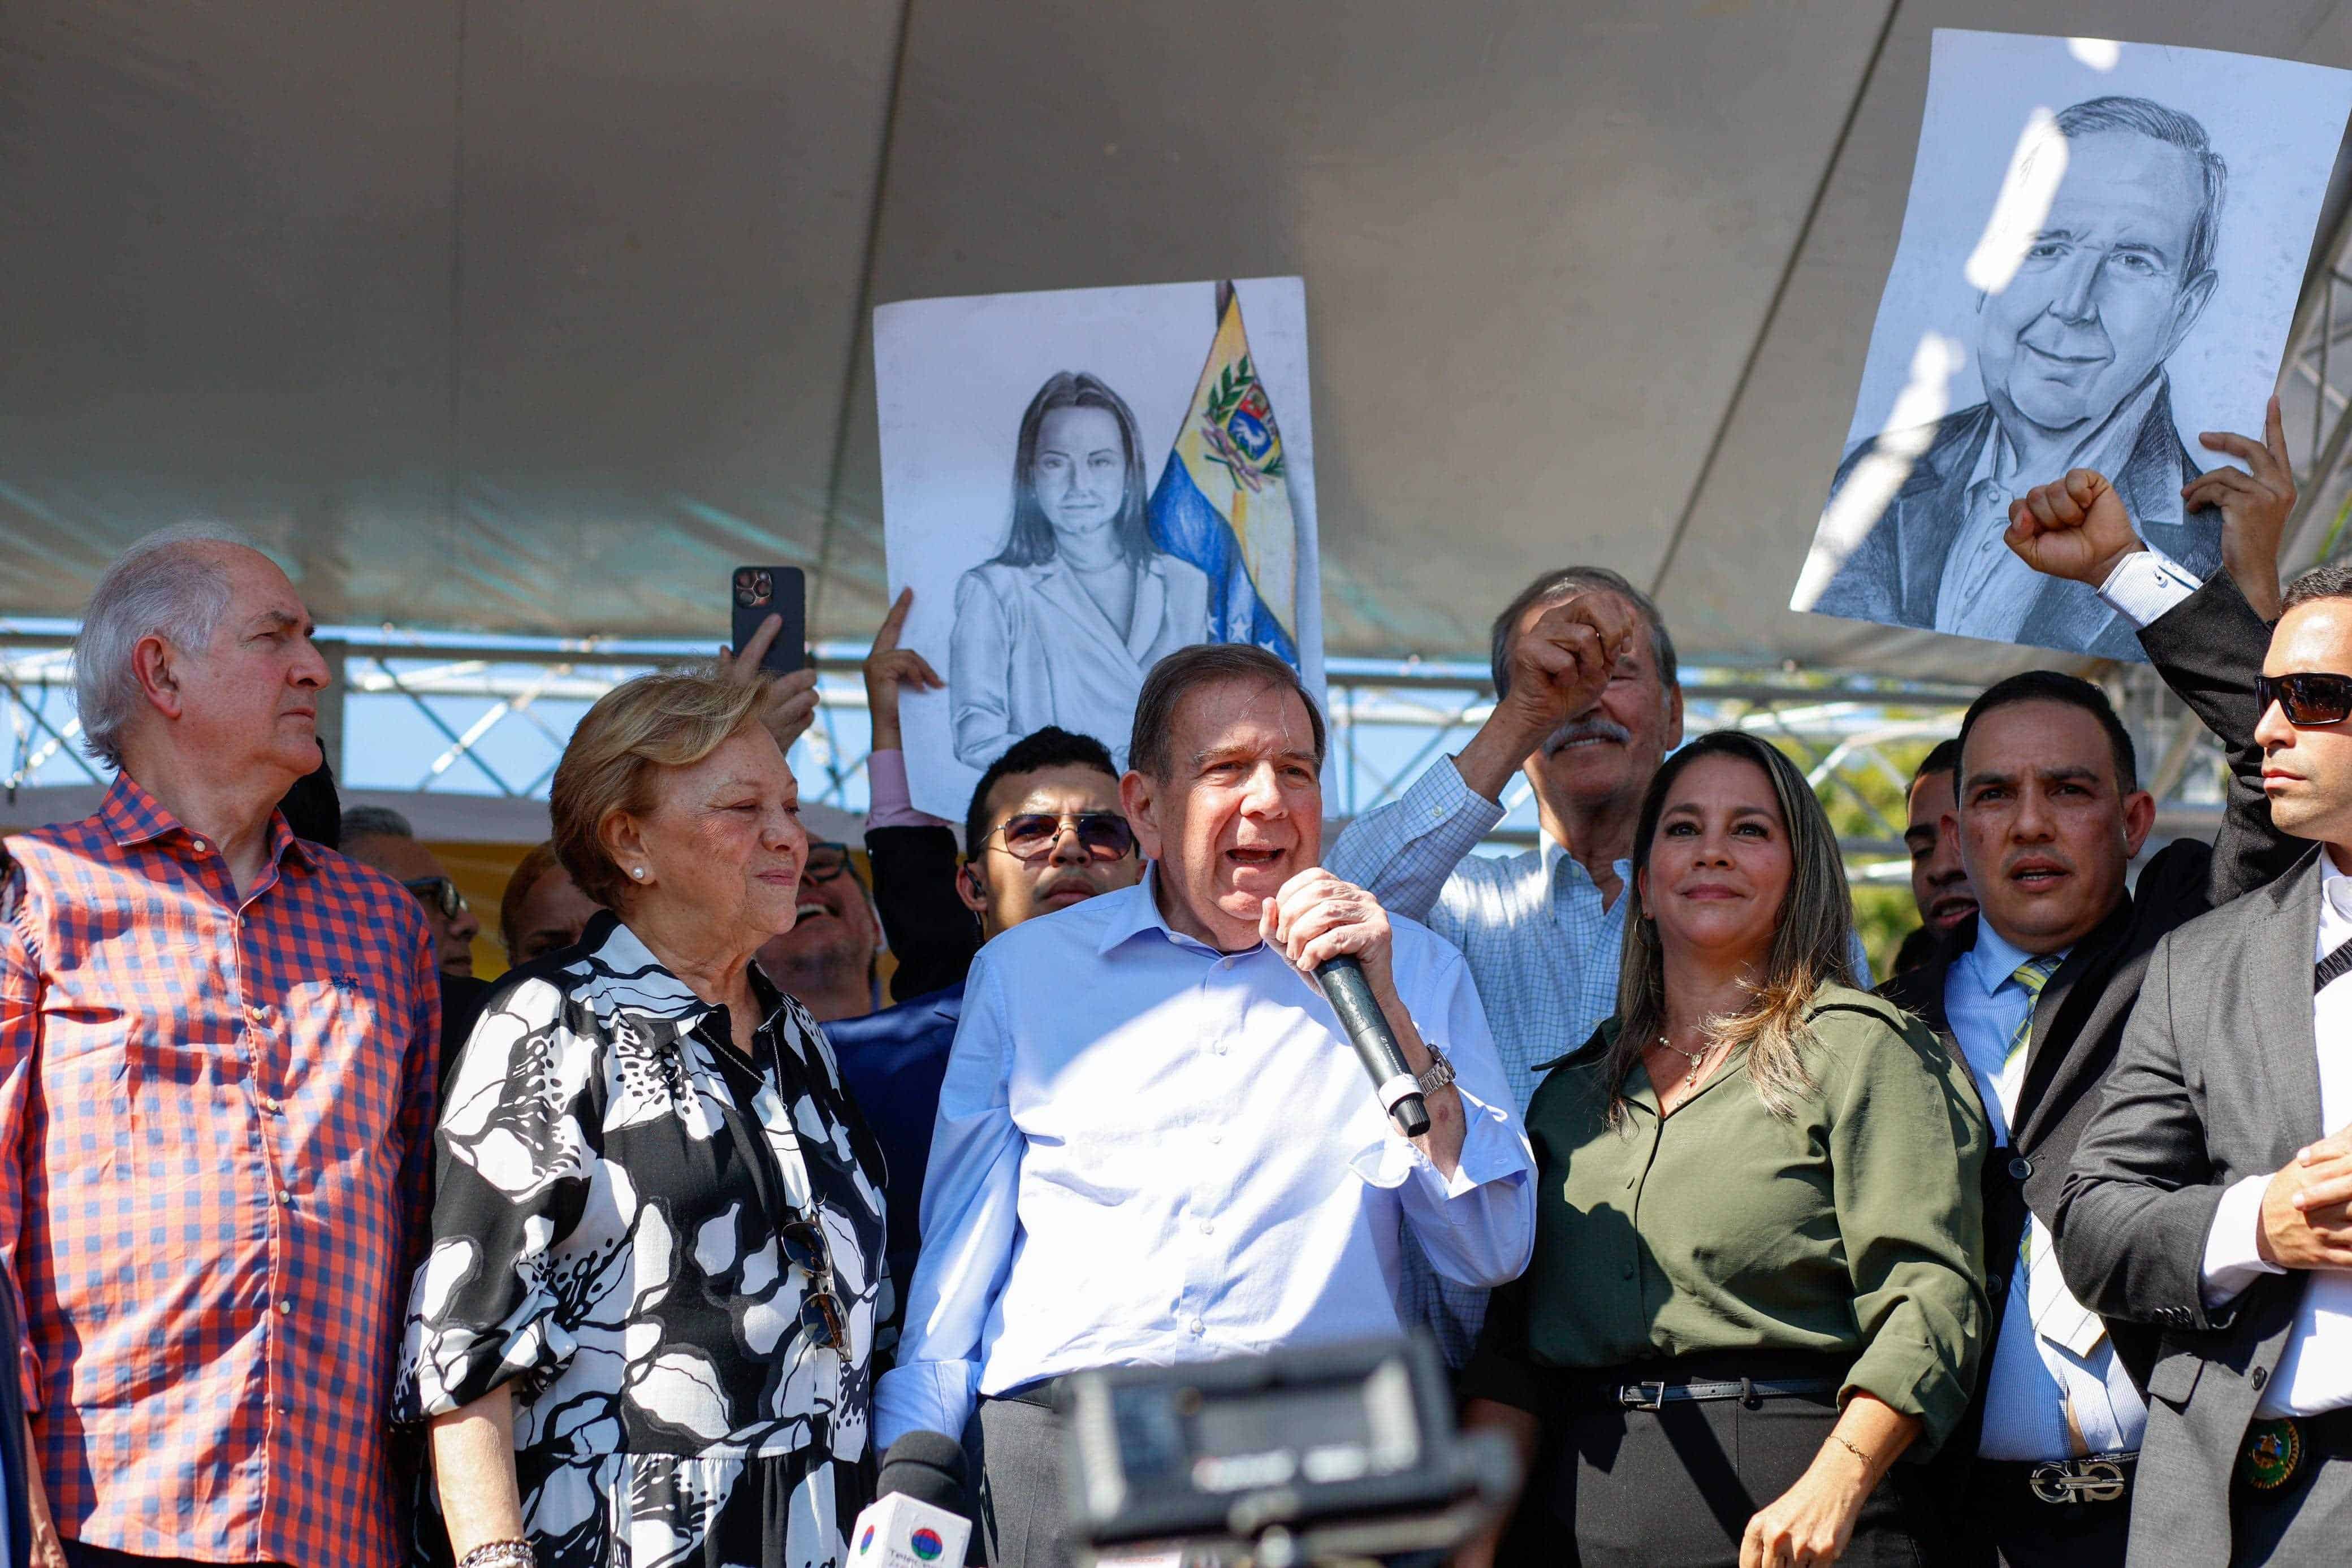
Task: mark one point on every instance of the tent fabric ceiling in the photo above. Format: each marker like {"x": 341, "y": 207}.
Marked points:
{"x": 518, "y": 317}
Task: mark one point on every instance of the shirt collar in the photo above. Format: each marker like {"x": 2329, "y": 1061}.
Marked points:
{"x": 131, "y": 816}
{"x": 1554, "y": 853}
{"x": 1136, "y": 911}
{"x": 2106, "y": 448}
{"x": 1995, "y": 960}
{"x": 2334, "y": 887}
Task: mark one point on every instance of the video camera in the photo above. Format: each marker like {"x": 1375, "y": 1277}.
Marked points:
{"x": 1341, "y": 1454}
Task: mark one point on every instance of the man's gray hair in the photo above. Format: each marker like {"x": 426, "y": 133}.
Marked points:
{"x": 374, "y": 822}
{"x": 2147, "y": 117}
{"x": 167, "y": 585}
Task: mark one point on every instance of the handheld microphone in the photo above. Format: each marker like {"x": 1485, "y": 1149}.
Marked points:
{"x": 1350, "y": 996}
{"x": 921, "y": 1515}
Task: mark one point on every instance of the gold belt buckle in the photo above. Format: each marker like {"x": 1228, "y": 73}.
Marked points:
{"x": 2077, "y": 1481}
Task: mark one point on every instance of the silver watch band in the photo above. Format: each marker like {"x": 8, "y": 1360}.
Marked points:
{"x": 1440, "y": 1073}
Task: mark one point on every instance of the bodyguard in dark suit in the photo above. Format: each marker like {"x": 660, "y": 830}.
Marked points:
{"x": 2207, "y": 1195}
{"x": 2034, "y": 993}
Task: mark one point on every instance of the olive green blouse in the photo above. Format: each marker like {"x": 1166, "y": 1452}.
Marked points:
{"x": 1852, "y": 1229}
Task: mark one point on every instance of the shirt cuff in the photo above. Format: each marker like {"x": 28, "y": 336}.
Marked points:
{"x": 2233, "y": 1249}
{"x": 890, "y": 803}
{"x": 2146, "y": 585}
{"x": 1490, "y": 1153}
{"x": 923, "y": 1396}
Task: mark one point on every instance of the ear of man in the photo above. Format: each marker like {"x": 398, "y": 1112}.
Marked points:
{"x": 1138, "y": 801}
{"x": 155, "y": 662}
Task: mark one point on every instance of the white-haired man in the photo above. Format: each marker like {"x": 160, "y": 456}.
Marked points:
{"x": 217, "y": 1048}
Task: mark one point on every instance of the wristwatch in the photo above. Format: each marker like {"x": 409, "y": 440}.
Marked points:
{"x": 1440, "y": 1073}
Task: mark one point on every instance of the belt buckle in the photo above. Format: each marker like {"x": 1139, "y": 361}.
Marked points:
{"x": 1641, "y": 1395}
{"x": 2077, "y": 1481}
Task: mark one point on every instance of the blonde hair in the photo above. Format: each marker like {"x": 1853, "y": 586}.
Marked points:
{"x": 1812, "y": 940}
{"x": 672, "y": 718}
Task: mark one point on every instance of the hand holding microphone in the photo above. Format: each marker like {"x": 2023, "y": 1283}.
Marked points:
{"x": 1338, "y": 936}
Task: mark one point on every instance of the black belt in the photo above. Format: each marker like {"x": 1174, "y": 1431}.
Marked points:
{"x": 1654, "y": 1394}
{"x": 1046, "y": 1394}
{"x": 2096, "y": 1478}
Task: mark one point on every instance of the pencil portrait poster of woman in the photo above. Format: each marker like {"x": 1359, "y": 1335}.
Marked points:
{"x": 1077, "y": 484}
{"x": 1062, "y": 625}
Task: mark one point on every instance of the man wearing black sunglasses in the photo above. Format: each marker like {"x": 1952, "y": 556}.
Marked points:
{"x": 2209, "y": 1194}
{"x": 1046, "y": 834}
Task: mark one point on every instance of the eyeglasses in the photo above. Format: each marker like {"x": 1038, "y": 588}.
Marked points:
{"x": 1032, "y": 835}
{"x": 821, "y": 1319}
{"x": 2307, "y": 699}
{"x": 438, "y": 893}
{"x": 828, "y": 861}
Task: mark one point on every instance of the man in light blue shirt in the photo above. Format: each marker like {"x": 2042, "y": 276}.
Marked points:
{"x": 1155, "y": 1144}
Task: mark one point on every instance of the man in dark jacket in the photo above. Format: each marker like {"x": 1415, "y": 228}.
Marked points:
{"x": 2034, "y": 993}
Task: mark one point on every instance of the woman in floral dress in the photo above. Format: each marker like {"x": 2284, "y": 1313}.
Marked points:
{"x": 643, "y": 1332}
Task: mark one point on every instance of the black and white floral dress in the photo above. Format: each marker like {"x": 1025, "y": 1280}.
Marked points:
{"x": 612, "y": 1176}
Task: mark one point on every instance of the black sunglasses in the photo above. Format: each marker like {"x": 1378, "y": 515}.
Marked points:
{"x": 2308, "y": 700}
{"x": 825, "y": 862}
{"x": 1032, "y": 835}
{"x": 438, "y": 893}
{"x": 821, "y": 1319}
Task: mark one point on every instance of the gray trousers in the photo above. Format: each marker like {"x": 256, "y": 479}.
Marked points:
{"x": 2306, "y": 1523}
{"x": 1015, "y": 1449}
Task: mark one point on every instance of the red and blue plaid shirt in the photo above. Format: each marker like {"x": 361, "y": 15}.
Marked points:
{"x": 215, "y": 1119}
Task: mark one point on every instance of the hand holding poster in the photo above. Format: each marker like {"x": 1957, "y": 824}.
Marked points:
{"x": 2099, "y": 263}
{"x": 1077, "y": 484}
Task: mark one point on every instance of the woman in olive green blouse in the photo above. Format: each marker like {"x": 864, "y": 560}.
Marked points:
{"x": 1754, "y": 1284}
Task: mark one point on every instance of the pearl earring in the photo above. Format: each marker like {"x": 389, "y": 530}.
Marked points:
{"x": 638, "y": 871}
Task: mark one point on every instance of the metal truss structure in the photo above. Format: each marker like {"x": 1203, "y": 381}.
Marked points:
{"x": 489, "y": 717}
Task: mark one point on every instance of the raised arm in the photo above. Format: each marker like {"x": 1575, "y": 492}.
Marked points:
{"x": 931, "y": 931}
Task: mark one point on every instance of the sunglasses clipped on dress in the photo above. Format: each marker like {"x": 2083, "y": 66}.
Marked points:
{"x": 821, "y": 1319}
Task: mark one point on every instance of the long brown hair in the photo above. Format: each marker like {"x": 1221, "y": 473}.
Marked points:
{"x": 1810, "y": 940}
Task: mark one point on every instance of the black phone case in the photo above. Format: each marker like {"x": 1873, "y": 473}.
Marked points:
{"x": 787, "y": 596}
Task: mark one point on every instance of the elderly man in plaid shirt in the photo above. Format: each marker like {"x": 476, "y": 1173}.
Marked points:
{"x": 217, "y": 1050}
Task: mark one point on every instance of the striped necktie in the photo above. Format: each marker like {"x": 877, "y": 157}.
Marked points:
{"x": 2055, "y": 1315}
{"x": 2033, "y": 974}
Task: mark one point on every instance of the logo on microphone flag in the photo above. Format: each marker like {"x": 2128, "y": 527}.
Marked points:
{"x": 1223, "y": 501}
{"x": 926, "y": 1544}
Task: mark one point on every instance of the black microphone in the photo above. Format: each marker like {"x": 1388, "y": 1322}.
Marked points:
{"x": 1350, "y": 995}
{"x": 927, "y": 1468}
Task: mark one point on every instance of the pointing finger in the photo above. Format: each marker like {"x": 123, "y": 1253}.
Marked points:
{"x": 893, "y": 623}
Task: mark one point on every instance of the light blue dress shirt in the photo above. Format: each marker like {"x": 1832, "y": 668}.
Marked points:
{"x": 1148, "y": 1152}
{"x": 2031, "y": 1380}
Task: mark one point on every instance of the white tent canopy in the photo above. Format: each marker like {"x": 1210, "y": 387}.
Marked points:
{"x": 522, "y": 317}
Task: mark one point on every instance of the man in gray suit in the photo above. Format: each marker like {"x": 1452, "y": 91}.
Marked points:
{"x": 2207, "y": 1195}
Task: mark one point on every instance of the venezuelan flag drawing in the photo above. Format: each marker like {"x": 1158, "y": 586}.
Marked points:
{"x": 1224, "y": 502}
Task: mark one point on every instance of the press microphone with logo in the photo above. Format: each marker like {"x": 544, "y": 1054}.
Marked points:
{"x": 1350, "y": 996}
{"x": 921, "y": 1515}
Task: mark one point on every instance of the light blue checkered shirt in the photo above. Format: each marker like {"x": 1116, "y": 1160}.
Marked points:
{"x": 1542, "y": 948}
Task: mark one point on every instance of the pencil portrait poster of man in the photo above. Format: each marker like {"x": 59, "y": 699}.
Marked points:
{"x": 2099, "y": 264}
{"x": 1078, "y": 483}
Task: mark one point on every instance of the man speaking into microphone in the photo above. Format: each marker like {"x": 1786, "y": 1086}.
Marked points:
{"x": 1155, "y": 1143}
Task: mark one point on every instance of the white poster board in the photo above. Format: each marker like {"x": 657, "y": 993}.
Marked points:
{"x": 1026, "y": 439}
{"x": 2099, "y": 262}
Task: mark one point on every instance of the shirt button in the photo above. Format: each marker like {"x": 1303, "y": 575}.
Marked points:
{"x": 284, "y": 1307}
{"x": 271, "y": 1105}
{"x": 285, "y": 1197}
{"x": 1208, "y": 1228}
{"x": 1216, "y": 1137}
{"x": 2020, "y": 1167}
{"x": 1629, "y": 1270}
{"x": 199, "y": 846}
{"x": 1198, "y": 1327}
{"x": 1220, "y": 1047}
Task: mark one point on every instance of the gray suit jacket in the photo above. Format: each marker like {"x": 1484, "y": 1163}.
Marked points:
{"x": 1896, "y": 573}
{"x": 2218, "y": 1079}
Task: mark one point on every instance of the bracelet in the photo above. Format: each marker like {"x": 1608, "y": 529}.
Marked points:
{"x": 500, "y": 1554}
{"x": 1841, "y": 1442}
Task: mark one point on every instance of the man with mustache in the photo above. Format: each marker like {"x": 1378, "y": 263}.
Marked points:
{"x": 2034, "y": 991}
{"x": 2072, "y": 353}
{"x": 2208, "y": 1194}
{"x": 1154, "y": 1145}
